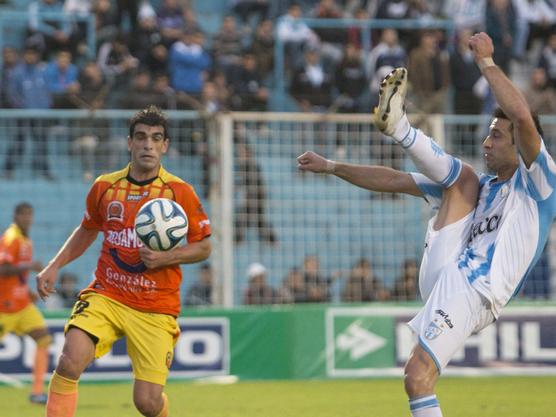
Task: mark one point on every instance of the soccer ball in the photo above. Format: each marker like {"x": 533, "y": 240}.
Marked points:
{"x": 161, "y": 224}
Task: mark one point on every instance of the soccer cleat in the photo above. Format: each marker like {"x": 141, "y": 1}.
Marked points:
{"x": 38, "y": 398}
{"x": 391, "y": 100}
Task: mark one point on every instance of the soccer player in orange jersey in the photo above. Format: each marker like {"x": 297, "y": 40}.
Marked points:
{"x": 18, "y": 314}
{"x": 135, "y": 291}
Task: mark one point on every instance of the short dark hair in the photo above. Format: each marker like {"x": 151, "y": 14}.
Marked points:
{"x": 499, "y": 113}
{"x": 150, "y": 116}
{"x": 21, "y": 207}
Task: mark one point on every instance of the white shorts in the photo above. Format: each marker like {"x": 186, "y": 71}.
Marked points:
{"x": 442, "y": 247}
{"x": 453, "y": 311}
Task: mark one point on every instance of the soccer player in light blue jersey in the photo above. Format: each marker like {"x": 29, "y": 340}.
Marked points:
{"x": 489, "y": 230}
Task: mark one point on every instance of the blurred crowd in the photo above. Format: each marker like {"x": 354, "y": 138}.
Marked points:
{"x": 157, "y": 52}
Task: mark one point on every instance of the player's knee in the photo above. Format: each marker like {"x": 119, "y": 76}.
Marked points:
{"x": 148, "y": 405}
{"x": 420, "y": 375}
{"x": 44, "y": 341}
{"x": 71, "y": 367}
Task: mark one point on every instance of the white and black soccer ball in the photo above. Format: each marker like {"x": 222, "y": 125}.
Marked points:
{"x": 161, "y": 224}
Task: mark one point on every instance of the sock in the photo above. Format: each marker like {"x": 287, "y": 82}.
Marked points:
{"x": 39, "y": 369}
{"x": 428, "y": 157}
{"x": 425, "y": 407}
{"x": 164, "y": 412}
{"x": 62, "y": 397}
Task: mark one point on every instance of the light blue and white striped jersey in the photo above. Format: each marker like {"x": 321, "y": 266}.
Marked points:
{"x": 510, "y": 227}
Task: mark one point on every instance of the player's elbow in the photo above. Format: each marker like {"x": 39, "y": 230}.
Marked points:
{"x": 205, "y": 249}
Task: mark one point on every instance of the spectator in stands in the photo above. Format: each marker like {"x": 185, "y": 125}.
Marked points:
{"x": 250, "y": 9}
{"x": 501, "y": 27}
{"x": 258, "y": 290}
{"x": 466, "y": 14}
{"x": 540, "y": 20}
{"x": 250, "y": 184}
{"x": 146, "y": 41}
{"x": 200, "y": 293}
{"x": 293, "y": 288}
{"x": 227, "y": 46}
{"x": 331, "y": 39}
{"x": 61, "y": 78}
{"x": 351, "y": 82}
{"x": 10, "y": 59}
{"x": 93, "y": 87}
{"x": 405, "y": 286}
{"x": 166, "y": 95}
{"x": 49, "y": 34}
{"x": 547, "y": 60}
{"x": 388, "y": 53}
{"x": 28, "y": 90}
{"x": 80, "y": 9}
{"x": 465, "y": 77}
{"x": 116, "y": 62}
{"x": 66, "y": 293}
{"x": 211, "y": 99}
{"x": 295, "y": 35}
{"x": 539, "y": 94}
{"x": 263, "y": 47}
{"x": 429, "y": 74}
{"x": 170, "y": 21}
{"x": 189, "y": 63}
{"x": 316, "y": 284}
{"x": 311, "y": 85}
{"x": 140, "y": 93}
{"x": 129, "y": 8}
{"x": 105, "y": 21}
{"x": 248, "y": 92}
{"x": 362, "y": 285}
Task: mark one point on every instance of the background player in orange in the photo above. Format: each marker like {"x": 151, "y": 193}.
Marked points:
{"x": 135, "y": 291}
{"x": 18, "y": 314}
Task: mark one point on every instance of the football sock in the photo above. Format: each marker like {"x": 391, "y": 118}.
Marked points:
{"x": 164, "y": 412}
{"x": 429, "y": 158}
{"x": 39, "y": 369}
{"x": 62, "y": 397}
{"x": 425, "y": 407}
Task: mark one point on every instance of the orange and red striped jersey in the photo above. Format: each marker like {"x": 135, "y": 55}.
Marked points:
{"x": 112, "y": 204}
{"x": 15, "y": 249}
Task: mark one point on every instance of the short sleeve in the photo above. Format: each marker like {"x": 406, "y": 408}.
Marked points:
{"x": 92, "y": 219}
{"x": 199, "y": 223}
{"x": 432, "y": 191}
{"x": 540, "y": 178}
{"x": 8, "y": 251}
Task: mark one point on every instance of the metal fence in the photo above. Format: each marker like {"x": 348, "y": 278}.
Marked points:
{"x": 352, "y": 244}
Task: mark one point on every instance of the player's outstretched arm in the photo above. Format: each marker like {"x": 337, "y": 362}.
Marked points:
{"x": 73, "y": 248}
{"x": 509, "y": 98}
{"x": 188, "y": 254}
{"x": 369, "y": 177}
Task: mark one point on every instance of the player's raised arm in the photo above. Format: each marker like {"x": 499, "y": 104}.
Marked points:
{"x": 370, "y": 177}
{"x": 74, "y": 247}
{"x": 509, "y": 98}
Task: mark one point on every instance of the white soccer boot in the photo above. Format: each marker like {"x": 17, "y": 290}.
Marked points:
{"x": 391, "y": 100}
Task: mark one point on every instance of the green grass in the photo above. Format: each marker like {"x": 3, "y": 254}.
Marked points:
{"x": 459, "y": 397}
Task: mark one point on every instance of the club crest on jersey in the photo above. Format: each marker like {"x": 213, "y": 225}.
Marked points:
{"x": 433, "y": 330}
{"x": 115, "y": 211}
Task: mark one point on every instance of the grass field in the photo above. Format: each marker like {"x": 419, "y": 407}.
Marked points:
{"x": 459, "y": 397}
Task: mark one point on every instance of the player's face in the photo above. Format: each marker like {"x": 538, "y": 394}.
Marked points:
{"x": 146, "y": 146}
{"x": 499, "y": 148}
{"x": 24, "y": 219}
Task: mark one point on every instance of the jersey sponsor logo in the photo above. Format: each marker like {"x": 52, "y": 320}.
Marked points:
{"x": 136, "y": 197}
{"x": 446, "y": 318}
{"x": 125, "y": 238}
{"x": 488, "y": 225}
{"x": 115, "y": 211}
{"x": 129, "y": 283}
{"x": 203, "y": 223}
